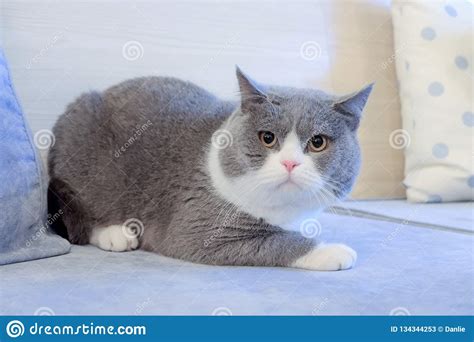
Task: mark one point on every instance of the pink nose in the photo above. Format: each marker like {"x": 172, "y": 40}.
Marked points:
{"x": 290, "y": 164}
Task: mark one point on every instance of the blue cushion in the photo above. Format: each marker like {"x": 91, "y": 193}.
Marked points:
{"x": 24, "y": 231}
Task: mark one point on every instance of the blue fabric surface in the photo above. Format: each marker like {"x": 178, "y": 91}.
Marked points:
{"x": 401, "y": 269}
{"x": 23, "y": 226}
{"x": 450, "y": 215}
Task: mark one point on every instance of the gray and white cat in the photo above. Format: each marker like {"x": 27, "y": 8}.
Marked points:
{"x": 206, "y": 180}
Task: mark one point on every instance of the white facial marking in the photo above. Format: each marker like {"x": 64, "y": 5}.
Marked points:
{"x": 281, "y": 198}
{"x": 292, "y": 149}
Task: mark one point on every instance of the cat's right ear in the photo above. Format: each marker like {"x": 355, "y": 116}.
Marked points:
{"x": 251, "y": 93}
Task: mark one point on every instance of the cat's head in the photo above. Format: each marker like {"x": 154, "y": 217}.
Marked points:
{"x": 288, "y": 146}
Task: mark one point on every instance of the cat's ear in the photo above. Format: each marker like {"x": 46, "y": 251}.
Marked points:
{"x": 251, "y": 93}
{"x": 352, "y": 105}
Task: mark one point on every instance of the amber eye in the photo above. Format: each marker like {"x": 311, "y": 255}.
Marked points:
{"x": 267, "y": 138}
{"x": 318, "y": 143}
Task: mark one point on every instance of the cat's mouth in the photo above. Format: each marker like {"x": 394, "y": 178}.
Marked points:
{"x": 289, "y": 183}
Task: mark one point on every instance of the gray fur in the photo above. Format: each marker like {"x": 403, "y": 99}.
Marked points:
{"x": 138, "y": 150}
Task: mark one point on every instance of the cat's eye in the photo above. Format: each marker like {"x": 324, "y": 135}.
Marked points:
{"x": 318, "y": 143}
{"x": 267, "y": 138}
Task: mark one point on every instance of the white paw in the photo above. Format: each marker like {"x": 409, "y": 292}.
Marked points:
{"x": 330, "y": 257}
{"x": 113, "y": 238}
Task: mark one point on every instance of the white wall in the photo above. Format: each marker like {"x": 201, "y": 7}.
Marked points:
{"x": 58, "y": 49}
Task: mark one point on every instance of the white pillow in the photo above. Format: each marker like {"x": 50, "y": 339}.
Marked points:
{"x": 433, "y": 52}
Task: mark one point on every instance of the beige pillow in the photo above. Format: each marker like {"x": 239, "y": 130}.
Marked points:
{"x": 361, "y": 45}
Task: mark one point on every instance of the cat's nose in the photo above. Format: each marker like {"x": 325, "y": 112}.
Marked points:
{"x": 290, "y": 164}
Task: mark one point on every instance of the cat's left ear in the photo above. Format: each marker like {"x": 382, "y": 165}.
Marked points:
{"x": 352, "y": 105}
{"x": 251, "y": 93}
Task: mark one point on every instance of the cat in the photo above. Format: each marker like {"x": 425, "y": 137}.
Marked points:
{"x": 161, "y": 164}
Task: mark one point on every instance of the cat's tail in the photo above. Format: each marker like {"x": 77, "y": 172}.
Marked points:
{"x": 66, "y": 213}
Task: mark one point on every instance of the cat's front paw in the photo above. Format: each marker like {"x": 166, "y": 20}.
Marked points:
{"x": 113, "y": 238}
{"x": 330, "y": 257}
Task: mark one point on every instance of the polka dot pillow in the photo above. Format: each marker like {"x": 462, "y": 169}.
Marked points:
{"x": 433, "y": 53}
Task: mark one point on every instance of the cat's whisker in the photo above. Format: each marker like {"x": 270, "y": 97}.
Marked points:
{"x": 308, "y": 185}
{"x": 311, "y": 180}
{"x": 330, "y": 199}
{"x": 323, "y": 195}
{"x": 336, "y": 185}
